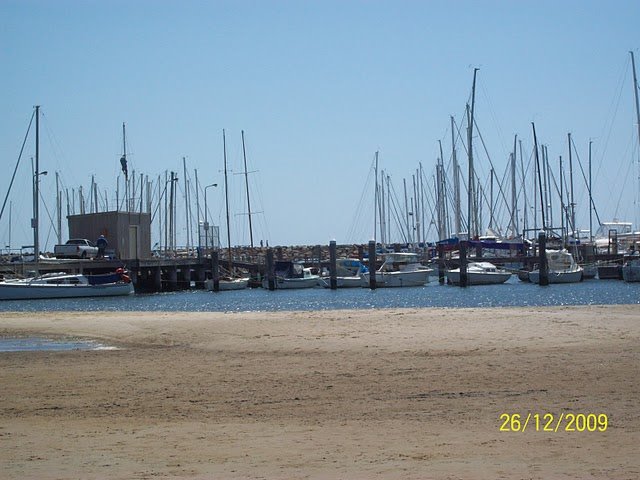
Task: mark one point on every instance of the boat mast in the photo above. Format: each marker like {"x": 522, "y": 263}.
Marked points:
{"x": 514, "y": 195}
{"x": 226, "y": 197}
{"x": 456, "y": 181}
{"x": 36, "y": 192}
{"x": 186, "y": 202}
{"x": 535, "y": 146}
{"x": 246, "y": 182}
{"x": 375, "y": 199}
{"x": 635, "y": 93}
{"x": 123, "y": 162}
{"x": 58, "y": 207}
{"x": 571, "y": 200}
{"x": 525, "y": 208}
{"x": 472, "y": 211}
{"x": 590, "y": 198}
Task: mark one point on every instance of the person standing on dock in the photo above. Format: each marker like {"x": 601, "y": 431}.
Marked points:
{"x": 102, "y": 244}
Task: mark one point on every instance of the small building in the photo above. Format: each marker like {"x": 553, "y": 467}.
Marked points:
{"x": 128, "y": 233}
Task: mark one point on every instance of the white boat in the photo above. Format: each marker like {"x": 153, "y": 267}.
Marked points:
{"x": 289, "y": 275}
{"x": 479, "y": 273}
{"x": 225, "y": 284}
{"x": 631, "y": 268}
{"x": 348, "y": 271}
{"x": 65, "y": 285}
{"x": 399, "y": 270}
{"x": 562, "y": 268}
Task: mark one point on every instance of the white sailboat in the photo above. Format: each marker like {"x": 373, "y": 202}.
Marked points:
{"x": 59, "y": 285}
{"x": 65, "y": 285}
{"x": 230, "y": 282}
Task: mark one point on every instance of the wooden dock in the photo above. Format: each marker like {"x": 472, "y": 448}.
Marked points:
{"x": 183, "y": 273}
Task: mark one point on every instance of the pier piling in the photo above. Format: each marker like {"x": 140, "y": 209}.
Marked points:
{"x": 215, "y": 270}
{"x": 463, "y": 264}
{"x": 372, "y": 265}
{"x": 271, "y": 281}
{"x": 441, "y": 264}
{"x": 333, "y": 281}
{"x": 544, "y": 266}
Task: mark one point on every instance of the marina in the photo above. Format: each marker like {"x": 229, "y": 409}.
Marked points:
{"x": 513, "y": 293}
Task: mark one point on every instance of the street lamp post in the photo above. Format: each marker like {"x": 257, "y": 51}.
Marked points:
{"x": 206, "y": 222}
{"x": 35, "y": 221}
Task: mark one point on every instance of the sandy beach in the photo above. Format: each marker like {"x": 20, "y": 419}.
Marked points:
{"x": 386, "y": 394}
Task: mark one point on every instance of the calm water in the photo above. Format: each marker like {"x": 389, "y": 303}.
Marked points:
{"x": 512, "y": 293}
{"x": 32, "y": 344}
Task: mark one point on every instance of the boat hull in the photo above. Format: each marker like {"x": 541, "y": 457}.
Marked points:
{"x": 416, "y": 278}
{"x": 22, "y": 291}
{"x": 226, "y": 285}
{"x": 341, "y": 282}
{"x": 557, "y": 277}
{"x": 475, "y": 278}
{"x": 631, "y": 273}
{"x": 293, "y": 283}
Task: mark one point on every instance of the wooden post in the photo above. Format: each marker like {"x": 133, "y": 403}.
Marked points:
{"x": 333, "y": 281}
{"x": 271, "y": 281}
{"x": 172, "y": 277}
{"x": 157, "y": 278}
{"x": 200, "y": 275}
{"x": 543, "y": 264}
{"x": 318, "y": 255}
{"x": 463, "y": 264}
{"x": 372, "y": 265}
{"x": 441, "y": 264}
{"x": 215, "y": 270}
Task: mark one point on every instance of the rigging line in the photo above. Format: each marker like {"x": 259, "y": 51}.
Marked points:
{"x": 491, "y": 163}
{"x": 621, "y": 84}
{"x": 52, "y": 223}
{"x": 626, "y": 177}
{"x": 15, "y": 170}
{"x": 586, "y": 182}
{"x": 398, "y": 217}
{"x": 351, "y": 233}
{"x": 493, "y": 117}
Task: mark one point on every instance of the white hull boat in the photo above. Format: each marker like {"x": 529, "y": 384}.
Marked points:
{"x": 290, "y": 275}
{"x": 562, "y": 268}
{"x": 64, "y": 285}
{"x": 399, "y": 270}
{"x": 290, "y": 283}
{"x": 348, "y": 271}
{"x": 479, "y": 273}
{"x": 227, "y": 284}
{"x": 557, "y": 277}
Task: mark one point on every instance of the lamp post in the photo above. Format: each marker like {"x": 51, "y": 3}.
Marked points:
{"x": 206, "y": 222}
{"x": 34, "y": 220}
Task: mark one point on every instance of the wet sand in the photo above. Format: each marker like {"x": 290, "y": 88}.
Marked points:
{"x": 388, "y": 394}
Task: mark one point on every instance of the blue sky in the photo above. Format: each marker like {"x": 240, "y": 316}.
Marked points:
{"x": 318, "y": 87}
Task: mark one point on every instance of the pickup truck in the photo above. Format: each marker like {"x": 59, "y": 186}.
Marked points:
{"x": 76, "y": 248}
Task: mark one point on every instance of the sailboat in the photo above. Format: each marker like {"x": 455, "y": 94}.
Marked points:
{"x": 59, "y": 285}
{"x": 229, "y": 282}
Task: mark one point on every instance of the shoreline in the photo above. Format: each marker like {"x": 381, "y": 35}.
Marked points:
{"x": 393, "y": 393}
